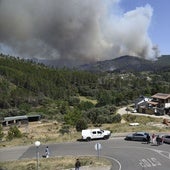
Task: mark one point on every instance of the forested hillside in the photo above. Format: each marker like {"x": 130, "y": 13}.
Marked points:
{"x": 70, "y": 95}
{"x": 129, "y": 64}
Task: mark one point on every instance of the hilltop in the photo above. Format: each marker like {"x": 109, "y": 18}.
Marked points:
{"x": 129, "y": 64}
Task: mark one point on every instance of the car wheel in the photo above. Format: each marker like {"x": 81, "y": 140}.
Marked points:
{"x": 144, "y": 140}
{"x": 128, "y": 138}
{"x": 105, "y": 137}
{"x": 88, "y": 139}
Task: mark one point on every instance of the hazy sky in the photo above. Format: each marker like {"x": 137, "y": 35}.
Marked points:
{"x": 159, "y": 30}
{"x": 73, "y": 32}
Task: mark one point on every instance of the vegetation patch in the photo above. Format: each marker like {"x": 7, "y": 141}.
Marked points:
{"x": 58, "y": 163}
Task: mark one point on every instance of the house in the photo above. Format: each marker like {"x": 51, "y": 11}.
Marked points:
{"x": 141, "y": 103}
{"x": 158, "y": 104}
{"x": 161, "y": 103}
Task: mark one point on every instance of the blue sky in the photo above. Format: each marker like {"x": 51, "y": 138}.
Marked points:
{"x": 159, "y": 30}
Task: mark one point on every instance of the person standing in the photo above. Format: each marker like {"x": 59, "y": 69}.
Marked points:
{"x": 162, "y": 139}
{"x": 153, "y": 138}
{"x": 47, "y": 153}
{"x": 148, "y": 138}
{"x": 158, "y": 140}
{"x": 77, "y": 164}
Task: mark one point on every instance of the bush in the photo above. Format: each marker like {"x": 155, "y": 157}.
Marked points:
{"x": 102, "y": 119}
{"x": 116, "y": 118}
{"x": 64, "y": 129}
{"x": 14, "y": 132}
{"x": 1, "y": 132}
{"x": 74, "y": 101}
{"x": 129, "y": 117}
{"x": 86, "y": 105}
{"x": 81, "y": 124}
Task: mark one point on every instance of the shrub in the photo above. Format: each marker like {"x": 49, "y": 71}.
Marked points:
{"x": 14, "y": 132}
{"x": 86, "y": 105}
{"x": 64, "y": 129}
{"x": 102, "y": 119}
{"x": 116, "y": 118}
{"x": 81, "y": 124}
{"x": 1, "y": 132}
{"x": 129, "y": 117}
{"x": 74, "y": 101}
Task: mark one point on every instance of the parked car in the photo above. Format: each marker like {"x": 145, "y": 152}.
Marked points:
{"x": 89, "y": 134}
{"x": 138, "y": 136}
{"x": 166, "y": 138}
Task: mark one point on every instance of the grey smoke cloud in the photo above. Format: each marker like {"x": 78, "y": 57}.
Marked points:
{"x": 74, "y": 31}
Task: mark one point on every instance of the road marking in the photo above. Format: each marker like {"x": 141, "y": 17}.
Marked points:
{"x": 161, "y": 152}
{"x": 149, "y": 162}
{"x": 120, "y": 166}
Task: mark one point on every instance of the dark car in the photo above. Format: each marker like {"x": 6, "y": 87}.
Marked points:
{"x": 138, "y": 136}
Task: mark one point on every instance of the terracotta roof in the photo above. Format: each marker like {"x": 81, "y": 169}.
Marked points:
{"x": 161, "y": 96}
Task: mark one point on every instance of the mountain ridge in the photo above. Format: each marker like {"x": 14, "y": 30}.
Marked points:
{"x": 128, "y": 64}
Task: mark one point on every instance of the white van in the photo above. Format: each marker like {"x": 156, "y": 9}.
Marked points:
{"x": 89, "y": 134}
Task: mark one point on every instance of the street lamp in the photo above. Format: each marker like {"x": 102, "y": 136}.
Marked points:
{"x": 37, "y": 144}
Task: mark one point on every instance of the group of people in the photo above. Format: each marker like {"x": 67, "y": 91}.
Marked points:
{"x": 157, "y": 139}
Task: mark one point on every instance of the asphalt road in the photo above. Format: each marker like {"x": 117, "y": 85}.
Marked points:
{"x": 124, "y": 155}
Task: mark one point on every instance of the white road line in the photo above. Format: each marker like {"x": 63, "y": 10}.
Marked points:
{"x": 120, "y": 166}
{"x": 161, "y": 152}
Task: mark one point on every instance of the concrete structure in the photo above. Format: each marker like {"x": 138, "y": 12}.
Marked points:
{"x": 18, "y": 120}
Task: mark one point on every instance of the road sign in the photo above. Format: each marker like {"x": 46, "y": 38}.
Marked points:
{"x": 98, "y": 146}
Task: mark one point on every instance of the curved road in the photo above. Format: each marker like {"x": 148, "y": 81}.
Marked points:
{"x": 123, "y": 111}
{"x": 125, "y": 155}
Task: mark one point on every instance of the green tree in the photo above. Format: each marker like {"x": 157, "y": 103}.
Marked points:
{"x": 104, "y": 98}
{"x": 14, "y": 132}
{"x": 81, "y": 124}
{"x": 85, "y": 105}
{"x": 72, "y": 117}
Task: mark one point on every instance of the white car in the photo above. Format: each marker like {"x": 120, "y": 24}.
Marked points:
{"x": 89, "y": 134}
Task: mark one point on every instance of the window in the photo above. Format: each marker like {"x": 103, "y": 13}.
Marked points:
{"x": 168, "y": 137}
{"x": 138, "y": 135}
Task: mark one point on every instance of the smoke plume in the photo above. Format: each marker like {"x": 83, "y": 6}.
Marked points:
{"x": 73, "y": 32}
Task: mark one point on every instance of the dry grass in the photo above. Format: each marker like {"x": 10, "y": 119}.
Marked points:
{"x": 82, "y": 98}
{"x": 59, "y": 163}
{"x": 45, "y": 131}
{"x": 152, "y": 125}
{"x": 48, "y": 131}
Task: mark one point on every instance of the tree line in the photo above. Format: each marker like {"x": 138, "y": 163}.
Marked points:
{"x": 27, "y": 87}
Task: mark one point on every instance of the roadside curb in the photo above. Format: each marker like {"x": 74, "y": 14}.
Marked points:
{"x": 92, "y": 168}
{"x": 120, "y": 134}
{"x": 117, "y": 135}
